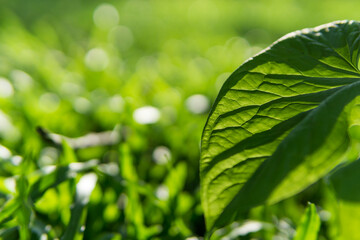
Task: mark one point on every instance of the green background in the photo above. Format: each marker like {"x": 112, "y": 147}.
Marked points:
{"x": 149, "y": 53}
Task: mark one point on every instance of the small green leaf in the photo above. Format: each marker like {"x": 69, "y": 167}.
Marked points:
{"x": 309, "y": 226}
{"x": 281, "y": 121}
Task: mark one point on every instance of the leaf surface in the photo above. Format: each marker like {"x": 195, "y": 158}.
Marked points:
{"x": 281, "y": 120}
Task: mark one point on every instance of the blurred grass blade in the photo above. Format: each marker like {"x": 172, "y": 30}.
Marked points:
{"x": 179, "y": 173}
{"x": 51, "y": 176}
{"x": 24, "y": 211}
{"x": 133, "y": 210}
{"x": 309, "y": 226}
{"x": 281, "y": 120}
{"x": 9, "y": 233}
{"x": 68, "y": 153}
{"x": 84, "y": 188}
{"x": 127, "y": 169}
{"x": 134, "y": 213}
{"x": 8, "y": 209}
{"x": 73, "y": 228}
{"x": 346, "y": 184}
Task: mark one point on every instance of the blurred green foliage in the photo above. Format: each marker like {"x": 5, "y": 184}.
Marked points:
{"x": 75, "y": 67}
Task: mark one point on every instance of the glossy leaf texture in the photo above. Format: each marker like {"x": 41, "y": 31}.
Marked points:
{"x": 281, "y": 121}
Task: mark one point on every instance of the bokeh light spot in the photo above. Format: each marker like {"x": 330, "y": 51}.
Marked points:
{"x": 10, "y": 184}
{"x": 161, "y": 155}
{"x": 85, "y": 186}
{"x": 82, "y": 105}
{"x": 49, "y": 102}
{"x": 71, "y": 88}
{"x": 48, "y": 156}
{"x": 7, "y": 129}
{"x": 22, "y": 81}
{"x": 197, "y": 104}
{"x": 146, "y": 115}
{"x": 106, "y": 16}
{"x": 162, "y": 192}
{"x": 6, "y": 89}
{"x": 16, "y": 160}
{"x": 116, "y": 103}
{"x": 96, "y": 59}
{"x": 4, "y": 152}
{"x": 121, "y": 37}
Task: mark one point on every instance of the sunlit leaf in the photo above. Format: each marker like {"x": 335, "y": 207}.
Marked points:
{"x": 309, "y": 226}
{"x": 281, "y": 120}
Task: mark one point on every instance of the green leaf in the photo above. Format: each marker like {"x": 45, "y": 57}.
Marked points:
{"x": 52, "y": 176}
{"x": 68, "y": 155}
{"x": 281, "y": 120}
{"x": 134, "y": 209}
{"x": 9, "y": 233}
{"x": 346, "y": 184}
{"x": 8, "y": 209}
{"x": 84, "y": 188}
{"x": 179, "y": 173}
{"x": 309, "y": 226}
{"x": 24, "y": 211}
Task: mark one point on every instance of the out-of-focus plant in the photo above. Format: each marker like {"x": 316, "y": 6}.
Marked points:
{"x": 140, "y": 75}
